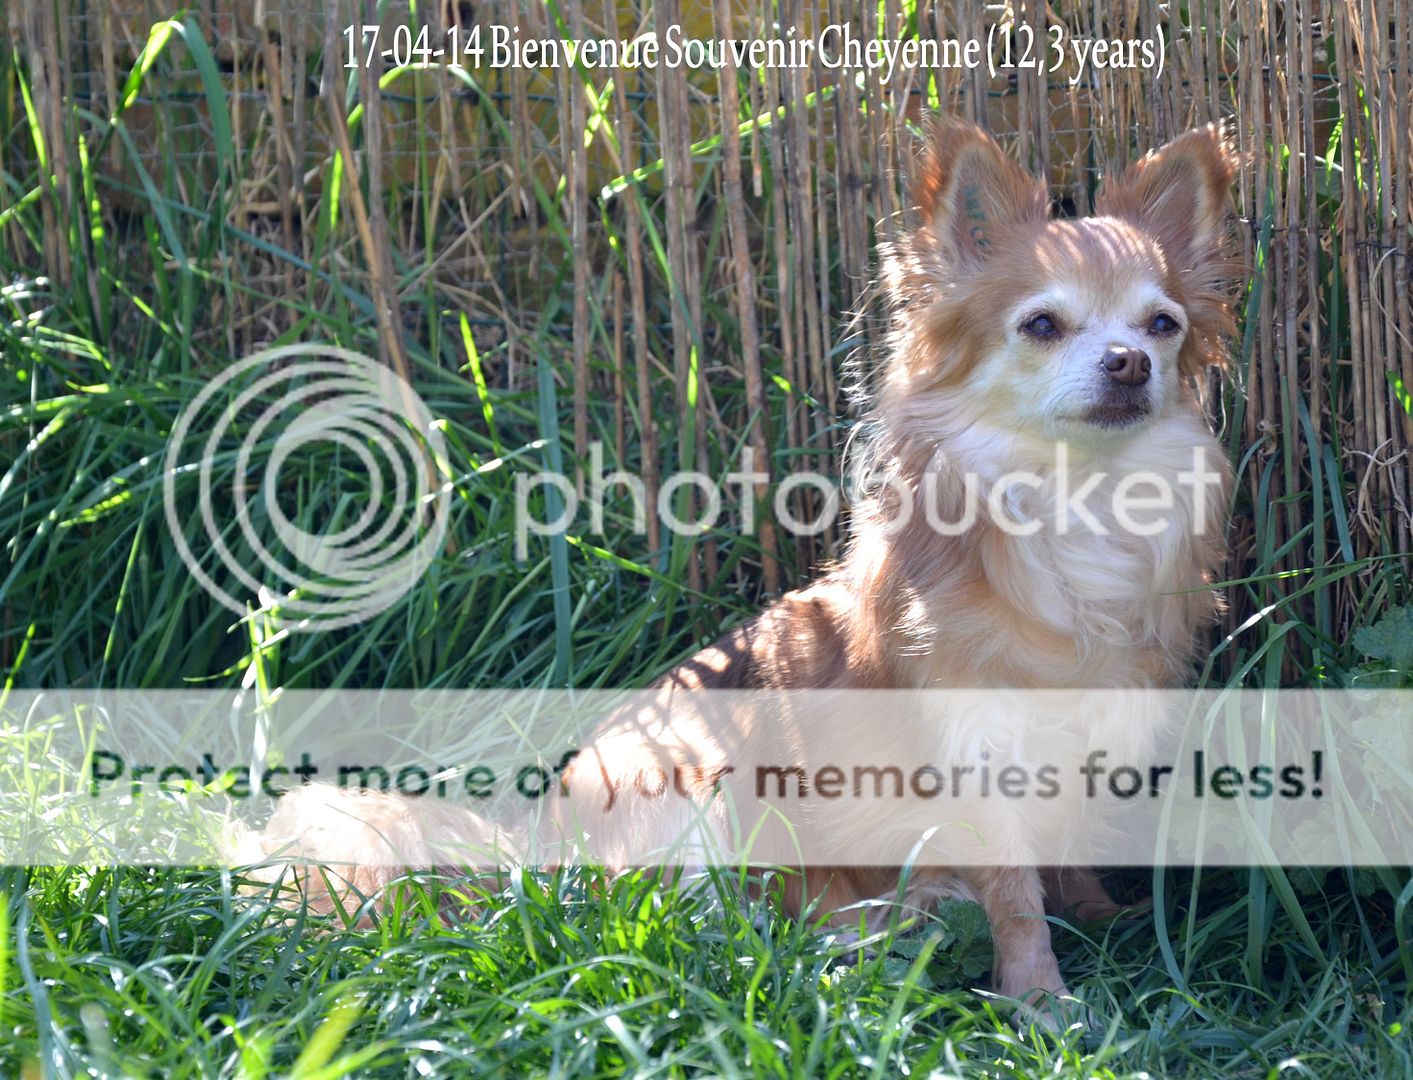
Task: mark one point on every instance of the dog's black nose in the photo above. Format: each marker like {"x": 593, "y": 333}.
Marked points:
{"x": 1128, "y": 366}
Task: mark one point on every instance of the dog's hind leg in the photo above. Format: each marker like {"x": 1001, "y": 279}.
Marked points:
{"x": 1076, "y": 892}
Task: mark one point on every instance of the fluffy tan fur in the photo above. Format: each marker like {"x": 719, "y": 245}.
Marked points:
{"x": 910, "y": 608}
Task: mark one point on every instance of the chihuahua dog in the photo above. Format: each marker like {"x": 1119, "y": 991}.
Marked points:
{"x": 1012, "y": 334}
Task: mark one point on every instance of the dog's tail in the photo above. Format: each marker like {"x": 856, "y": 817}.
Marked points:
{"x": 339, "y": 851}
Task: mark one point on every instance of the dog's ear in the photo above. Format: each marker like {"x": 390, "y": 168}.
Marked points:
{"x": 968, "y": 192}
{"x": 1178, "y": 194}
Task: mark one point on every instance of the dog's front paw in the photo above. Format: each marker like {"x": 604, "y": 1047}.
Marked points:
{"x": 1041, "y": 997}
{"x": 1058, "y": 1014}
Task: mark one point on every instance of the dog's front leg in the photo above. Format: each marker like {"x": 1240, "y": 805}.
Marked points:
{"x": 1025, "y": 966}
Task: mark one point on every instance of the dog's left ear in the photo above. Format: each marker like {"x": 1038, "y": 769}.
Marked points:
{"x": 1178, "y": 193}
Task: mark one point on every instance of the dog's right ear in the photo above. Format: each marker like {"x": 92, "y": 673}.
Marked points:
{"x": 968, "y": 192}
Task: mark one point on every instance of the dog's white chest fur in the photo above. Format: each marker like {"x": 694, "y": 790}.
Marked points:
{"x": 1110, "y": 563}
{"x": 1102, "y": 551}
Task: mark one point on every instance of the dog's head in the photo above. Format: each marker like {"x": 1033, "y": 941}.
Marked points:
{"x": 1079, "y": 329}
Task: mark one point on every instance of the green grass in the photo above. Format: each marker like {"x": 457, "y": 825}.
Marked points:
{"x": 171, "y": 973}
{"x": 130, "y": 971}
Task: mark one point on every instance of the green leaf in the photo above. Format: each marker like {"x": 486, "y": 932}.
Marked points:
{"x": 1390, "y": 639}
{"x": 1401, "y": 392}
{"x": 965, "y": 954}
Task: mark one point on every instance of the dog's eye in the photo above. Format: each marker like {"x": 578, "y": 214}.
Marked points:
{"x": 1163, "y": 323}
{"x": 1041, "y": 326}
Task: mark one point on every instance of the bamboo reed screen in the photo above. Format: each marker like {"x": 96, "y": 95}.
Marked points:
{"x": 742, "y": 240}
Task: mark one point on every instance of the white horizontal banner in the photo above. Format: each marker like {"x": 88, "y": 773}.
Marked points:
{"x": 475, "y": 779}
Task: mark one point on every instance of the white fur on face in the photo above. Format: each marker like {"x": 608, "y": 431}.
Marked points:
{"x": 1045, "y": 387}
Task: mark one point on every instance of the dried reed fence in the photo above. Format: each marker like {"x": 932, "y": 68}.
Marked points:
{"x": 683, "y": 247}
